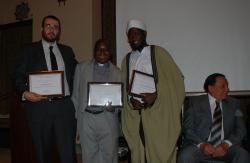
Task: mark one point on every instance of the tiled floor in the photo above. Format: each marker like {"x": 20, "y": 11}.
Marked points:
{"x": 5, "y": 155}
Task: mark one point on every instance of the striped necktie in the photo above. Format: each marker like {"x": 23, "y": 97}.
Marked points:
{"x": 216, "y": 126}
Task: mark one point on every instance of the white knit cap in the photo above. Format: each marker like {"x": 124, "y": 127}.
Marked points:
{"x": 136, "y": 24}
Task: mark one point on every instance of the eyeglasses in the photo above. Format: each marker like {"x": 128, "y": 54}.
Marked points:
{"x": 51, "y": 26}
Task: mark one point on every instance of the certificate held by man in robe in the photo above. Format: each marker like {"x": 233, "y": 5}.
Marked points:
{"x": 47, "y": 83}
{"x": 102, "y": 94}
{"x": 141, "y": 83}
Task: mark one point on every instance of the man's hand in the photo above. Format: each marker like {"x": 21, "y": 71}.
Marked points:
{"x": 221, "y": 150}
{"x": 137, "y": 104}
{"x": 207, "y": 149}
{"x": 109, "y": 107}
{"x": 149, "y": 98}
{"x": 33, "y": 97}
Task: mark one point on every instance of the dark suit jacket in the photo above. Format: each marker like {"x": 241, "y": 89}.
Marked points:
{"x": 197, "y": 121}
{"x": 33, "y": 60}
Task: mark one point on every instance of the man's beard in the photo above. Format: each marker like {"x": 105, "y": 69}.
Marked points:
{"x": 137, "y": 46}
{"x": 53, "y": 39}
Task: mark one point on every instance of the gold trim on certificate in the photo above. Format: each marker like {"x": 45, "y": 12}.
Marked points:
{"x": 141, "y": 83}
{"x": 102, "y": 93}
{"x": 47, "y": 83}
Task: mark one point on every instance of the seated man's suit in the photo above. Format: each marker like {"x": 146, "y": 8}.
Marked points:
{"x": 197, "y": 124}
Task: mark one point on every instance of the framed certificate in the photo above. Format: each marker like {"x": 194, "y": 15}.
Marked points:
{"x": 101, "y": 94}
{"x": 47, "y": 83}
{"x": 141, "y": 83}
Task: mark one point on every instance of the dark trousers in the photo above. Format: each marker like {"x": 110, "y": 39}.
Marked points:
{"x": 56, "y": 125}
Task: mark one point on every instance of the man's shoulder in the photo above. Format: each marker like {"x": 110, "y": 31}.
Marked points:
{"x": 31, "y": 48}
{"x": 160, "y": 52}
{"x": 202, "y": 98}
{"x": 114, "y": 67}
{"x": 157, "y": 47}
{"x": 85, "y": 64}
{"x": 125, "y": 59}
{"x": 232, "y": 100}
{"x": 65, "y": 49}
{"x": 32, "y": 44}
{"x": 127, "y": 55}
{"x": 63, "y": 46}
{"x": 198, "y": 98}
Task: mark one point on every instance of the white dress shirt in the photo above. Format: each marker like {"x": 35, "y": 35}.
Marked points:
{"x": 140, "y": 61}
{"x": 59, "y": 60}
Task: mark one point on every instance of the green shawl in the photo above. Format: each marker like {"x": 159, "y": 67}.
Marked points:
{"x": 161, "y": 122}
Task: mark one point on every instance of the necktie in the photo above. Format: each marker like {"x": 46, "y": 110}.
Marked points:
{"x": 216, "y": 126}
{"x": 53, "y": 59}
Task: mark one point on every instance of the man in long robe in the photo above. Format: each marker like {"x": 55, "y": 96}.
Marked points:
{"x": 151, "y": 125}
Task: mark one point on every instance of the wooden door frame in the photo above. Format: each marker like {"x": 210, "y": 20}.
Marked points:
{"x": 109, "y": 25}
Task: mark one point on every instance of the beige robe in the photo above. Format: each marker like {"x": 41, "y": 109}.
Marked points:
{"x": 161, "y": 122}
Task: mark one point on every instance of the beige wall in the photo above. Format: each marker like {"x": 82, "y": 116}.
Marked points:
{"x": 80, "y": 19}
{"x": 7, "y": 11}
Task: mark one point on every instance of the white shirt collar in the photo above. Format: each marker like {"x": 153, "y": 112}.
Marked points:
{"x": 212, "y": 101}
{"x": 48, "y": 44}
{"x": 211, "y": 98}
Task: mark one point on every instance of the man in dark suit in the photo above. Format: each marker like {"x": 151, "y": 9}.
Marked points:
{"x": 213, "y": 126}
{"x": 51, "y": 119}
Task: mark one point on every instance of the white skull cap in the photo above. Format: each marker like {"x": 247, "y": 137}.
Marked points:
{"x": 135, "y": 24}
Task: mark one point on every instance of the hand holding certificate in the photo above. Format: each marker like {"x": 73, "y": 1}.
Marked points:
{"x": 143, "y": 90}
{"x": 47, "y": 83}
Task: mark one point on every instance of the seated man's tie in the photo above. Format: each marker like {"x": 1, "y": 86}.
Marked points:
{"x": 216, "y": 126}
{"x": 53, "y": 59}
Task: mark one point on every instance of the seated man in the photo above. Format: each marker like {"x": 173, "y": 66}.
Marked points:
{"x": 213, "y": 126}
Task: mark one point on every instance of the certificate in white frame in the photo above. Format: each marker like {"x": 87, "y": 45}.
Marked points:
{"x": 47, "y": 83}
{"x": 100, "y": 94}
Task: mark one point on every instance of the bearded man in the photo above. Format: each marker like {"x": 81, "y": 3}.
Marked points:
{"x": 51, "y": 119}
{"x": 151, "y": 124}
